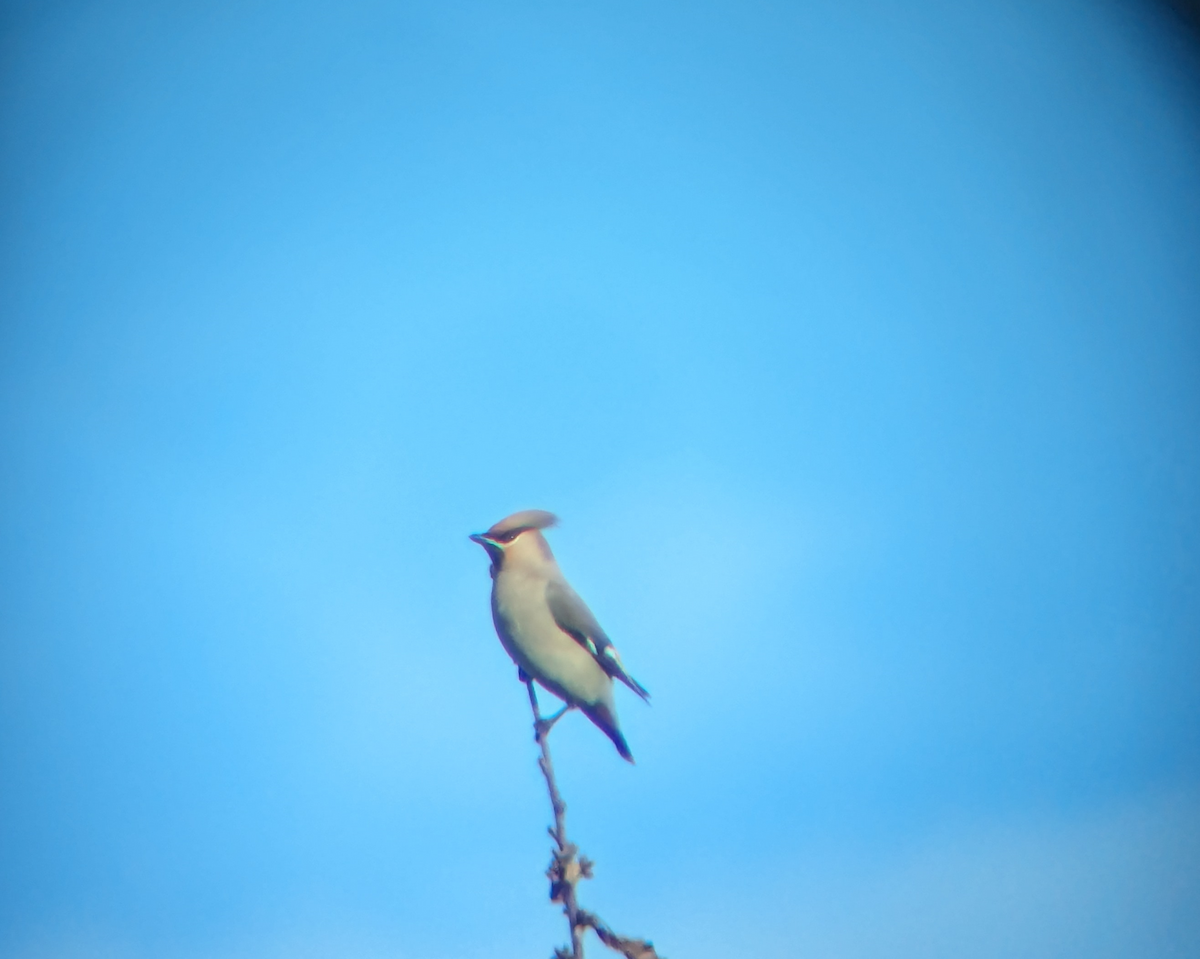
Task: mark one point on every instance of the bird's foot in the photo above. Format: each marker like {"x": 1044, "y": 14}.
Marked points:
{"x": 543, "y": 726}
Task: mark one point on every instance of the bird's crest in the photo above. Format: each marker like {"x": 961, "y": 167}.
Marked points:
{"x": 525, "y": 519}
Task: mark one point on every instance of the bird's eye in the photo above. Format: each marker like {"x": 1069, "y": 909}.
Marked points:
{"x": 509, "y": 536}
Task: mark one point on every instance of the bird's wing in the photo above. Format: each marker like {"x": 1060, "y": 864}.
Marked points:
{"x": 576, "y": 620}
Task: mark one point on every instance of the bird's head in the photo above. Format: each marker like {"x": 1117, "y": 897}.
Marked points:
{"x": 506, "y": 538}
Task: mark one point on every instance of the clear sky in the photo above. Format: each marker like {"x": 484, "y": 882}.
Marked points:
{"x": 857, "y": 344}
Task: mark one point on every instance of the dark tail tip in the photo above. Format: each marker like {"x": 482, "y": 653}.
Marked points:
{"x": 603, "y": 717}
{"x": 622, "y": 746}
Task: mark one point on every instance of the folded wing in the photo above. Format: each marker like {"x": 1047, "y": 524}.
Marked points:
{"x": 576, "y": 620}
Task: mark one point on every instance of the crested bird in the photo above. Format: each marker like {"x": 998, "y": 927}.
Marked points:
{"x": 547, "y": 629}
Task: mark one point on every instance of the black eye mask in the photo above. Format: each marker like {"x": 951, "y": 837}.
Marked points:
{"x": 510, "y": 535}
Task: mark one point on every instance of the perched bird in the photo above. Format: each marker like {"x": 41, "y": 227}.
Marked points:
{"x": 547, "y": 629}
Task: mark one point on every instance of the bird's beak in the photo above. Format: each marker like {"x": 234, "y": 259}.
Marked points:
{"x": 494, "y": 550}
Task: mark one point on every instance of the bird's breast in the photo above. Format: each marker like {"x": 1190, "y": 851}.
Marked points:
{"x": 520, "y": 609}
{"x": 533, "y": 639}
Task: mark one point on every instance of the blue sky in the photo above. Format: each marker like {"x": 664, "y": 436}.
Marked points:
{"x": 856, "y": 345}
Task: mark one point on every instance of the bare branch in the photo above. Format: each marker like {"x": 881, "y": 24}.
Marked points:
{"x": 630, "y": 948}
{"x": 567, "y": 867}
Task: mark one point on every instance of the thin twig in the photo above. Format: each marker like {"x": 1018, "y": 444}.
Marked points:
{"x": 561, "y": 874}
{"x": 567, "y": 867}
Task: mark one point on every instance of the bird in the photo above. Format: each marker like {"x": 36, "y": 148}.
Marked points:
{"x": 547, "y": 629}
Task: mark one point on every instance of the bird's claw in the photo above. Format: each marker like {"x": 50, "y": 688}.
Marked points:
{"x": 543, "y": 726}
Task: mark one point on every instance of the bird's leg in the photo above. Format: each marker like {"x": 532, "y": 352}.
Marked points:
{"x": 540, "y": 726}
{"x": 543, "y": 726}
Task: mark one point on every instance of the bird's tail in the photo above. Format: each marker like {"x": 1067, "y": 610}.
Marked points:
{"x": 603, "y": 716}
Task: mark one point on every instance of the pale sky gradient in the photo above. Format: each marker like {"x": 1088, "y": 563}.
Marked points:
{"x": 857, "y": 344}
